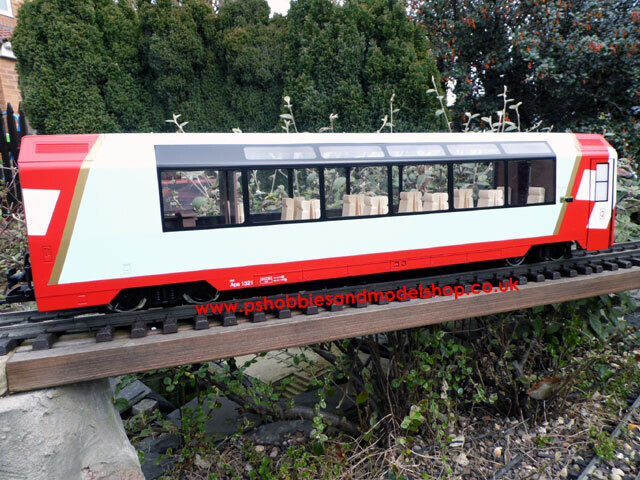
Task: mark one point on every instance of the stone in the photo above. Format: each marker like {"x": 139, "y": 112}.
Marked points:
{"x": 497, "y": 453}
{"x": 146, "y": 405}
{"x": 462, "y": 460}
{"x": 226, "y": 416}
{"x": 159, "y": 444}
{"x": 133, "y": 393}
{"x": 3, "y": 374}
{"x": 164, "y": 405}
{"x": 155, "y": 465}
{"x": 259, "y": 449}
{"x": 277, "y": 433}
{"x": 202, "y": 462}
{"x": 564, "y": 473}
{"x": 615, "y": 476}
{"x": 72, "y": 432}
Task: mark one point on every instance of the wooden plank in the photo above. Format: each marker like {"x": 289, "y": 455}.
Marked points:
{"x": 70, "y": 362}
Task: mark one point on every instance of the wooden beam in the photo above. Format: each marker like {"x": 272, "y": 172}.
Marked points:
{"x": 83, "y": 359}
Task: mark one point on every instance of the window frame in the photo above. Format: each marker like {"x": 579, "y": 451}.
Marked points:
{"x": 389, "y": 162}
{"x": 596, "y": 182}
{"x": 9, "y": 11}
{"x": 201, "y": 227}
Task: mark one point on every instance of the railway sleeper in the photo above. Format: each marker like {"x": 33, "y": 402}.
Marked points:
{"x": 105, "y": 334}
{"x": 200, "y": 322}
{"x": 169, "y": 325}
{"x": 7, "y": 344}
{"x": 138, "y": 330}
{"x": 44, "y": 341}
{"x": 229, "y": 319}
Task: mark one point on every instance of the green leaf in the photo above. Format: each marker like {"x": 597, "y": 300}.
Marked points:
{"x": 362, "y": 397}
{"x": 596, "y": 325}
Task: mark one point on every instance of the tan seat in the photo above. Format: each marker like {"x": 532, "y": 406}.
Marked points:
{"x": 288, "y": 209}
{"x": 240, "y": 213}
{"x": 349, "y": 206}
{"x": 383, "y": 204}
{"x": 444, "y": 200}
{"x": 499, "y": 197}
{"x": 486, "y": 198}
{"x": 407, "y": 202}
{"x": 303, "y": 208}
{"x": 430, "y": 202}
{"x": 535, "y": 195}
{"x": 417, "y": 200}
{"x": 370, "y": 205}
{"x": 359, "y": 204}
{"x": 315, "y": 208}
{"x": 463, "y": 198}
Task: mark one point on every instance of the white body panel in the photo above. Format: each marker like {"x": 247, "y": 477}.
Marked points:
{"x": 39, "y": 205}
{"x": 119, "y": 225}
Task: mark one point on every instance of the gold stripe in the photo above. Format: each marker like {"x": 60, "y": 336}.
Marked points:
{"x": 73, "y": 213}
{"x": 572, "y": 180}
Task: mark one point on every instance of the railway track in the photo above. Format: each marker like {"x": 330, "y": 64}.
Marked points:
{"x": 44, "y": 327}
{"x": 626, "y": 462}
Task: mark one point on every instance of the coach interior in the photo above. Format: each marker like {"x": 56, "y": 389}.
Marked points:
{"x": 221, "y": 186}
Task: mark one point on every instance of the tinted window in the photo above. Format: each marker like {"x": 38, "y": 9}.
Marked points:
{"x": 201, "y": 198}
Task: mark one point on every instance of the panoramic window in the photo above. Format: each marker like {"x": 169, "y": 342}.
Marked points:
{"x": 284, "y": 194}
{"x": 201, "y": 198}
{"x": 351, "y": 151}
{"x": 400, "y": 151}
{"x": 335, "y": 189}
{"x": 279, "y": 153}
{"x": 478, "y": 184}
{"x": 268, "y": 190}
{"x": 531, "y": 182}
{"x": 424, "y": 188}
{"x": 362, "y": 191}
{"x": 472, "y": 149}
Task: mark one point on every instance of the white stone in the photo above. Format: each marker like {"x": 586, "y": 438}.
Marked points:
{"x": 497, "y": 452}
{"x": 564, "y": 473}
{"x": 71, "y": 433}
{"x": 201, "y": 462}
{"x": 3, "y": 374}
{"x": 462, "y": 460}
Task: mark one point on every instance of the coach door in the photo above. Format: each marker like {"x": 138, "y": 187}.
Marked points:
{"x": 602, "y": 201}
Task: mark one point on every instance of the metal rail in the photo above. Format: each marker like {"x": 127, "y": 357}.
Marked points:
{"x": 44, "y": 327}
{"x": 75, "y": 358}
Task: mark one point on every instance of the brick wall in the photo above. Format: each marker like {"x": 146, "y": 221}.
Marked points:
{"x": 9, "y": 91}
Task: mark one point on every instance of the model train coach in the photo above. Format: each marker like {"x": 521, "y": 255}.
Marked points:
{"x": 151, "y": 219}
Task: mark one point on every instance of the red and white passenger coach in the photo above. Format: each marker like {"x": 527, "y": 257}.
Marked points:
{"x": 129, "y": 219}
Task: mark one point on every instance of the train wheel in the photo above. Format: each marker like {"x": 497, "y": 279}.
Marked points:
{"x": 558, "y": 251}
{"x": 198, "y": 294}
{"x": 515, "y": 261}
{"x": 127, "y": 301}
